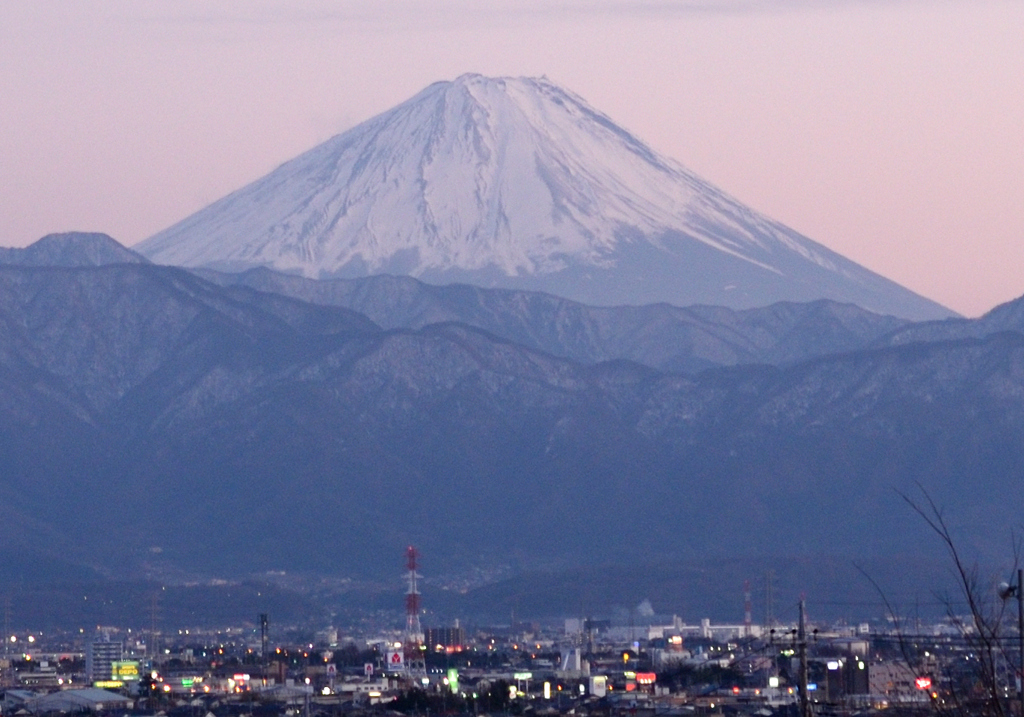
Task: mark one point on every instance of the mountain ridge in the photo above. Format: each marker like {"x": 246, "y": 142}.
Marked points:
{"x": 666, "y": 337}
{"x": 238, "y": 411}
{"x": 72, "y": 249}
{"x": 517, "y": 183}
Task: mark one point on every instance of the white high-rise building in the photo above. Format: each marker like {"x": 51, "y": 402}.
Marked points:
{"x": 100, "y": 656}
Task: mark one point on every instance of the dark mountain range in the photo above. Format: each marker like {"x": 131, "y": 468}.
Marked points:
{"x": 1005, "y": 317}
{"x": 154, "y": 423}
{"x": 72, "y": 249}
{"x": 665, "y": 337}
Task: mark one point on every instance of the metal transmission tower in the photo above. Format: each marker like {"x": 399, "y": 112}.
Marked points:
{"x": 415, "y": 663}
{"x": 805, "y": 699}
{"x": 7, "y": 625}
{"x": 748, "y": 619}
{"x": 154, "y": 618}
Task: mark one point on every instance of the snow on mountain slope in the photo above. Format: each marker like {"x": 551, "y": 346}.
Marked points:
{"x": 516, "y": 182}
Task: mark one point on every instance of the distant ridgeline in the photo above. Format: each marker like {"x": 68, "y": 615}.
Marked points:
{"x": 72, "y": 249}
{"x": 156, "y": 422}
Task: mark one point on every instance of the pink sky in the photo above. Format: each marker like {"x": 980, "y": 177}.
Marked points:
{"x": 892, "y": 131}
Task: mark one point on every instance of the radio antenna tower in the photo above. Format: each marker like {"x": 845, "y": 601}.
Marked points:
{"x": 414, "y": 659}
{"x": 748, "y": 627}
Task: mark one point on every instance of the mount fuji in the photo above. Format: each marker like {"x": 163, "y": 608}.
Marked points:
{"x": 517, "y": 183}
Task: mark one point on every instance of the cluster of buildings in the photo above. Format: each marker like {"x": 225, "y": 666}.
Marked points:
{"x": 660, "y": 666}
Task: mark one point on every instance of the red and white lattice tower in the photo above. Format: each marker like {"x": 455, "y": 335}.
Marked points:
{"x": 748, "y": 627}
{"x": 414, "y": 658}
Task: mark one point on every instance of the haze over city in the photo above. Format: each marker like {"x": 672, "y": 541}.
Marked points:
{"x": 887, "y": 131}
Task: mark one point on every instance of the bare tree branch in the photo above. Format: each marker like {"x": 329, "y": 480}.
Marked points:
{"x": 984, "y": 633}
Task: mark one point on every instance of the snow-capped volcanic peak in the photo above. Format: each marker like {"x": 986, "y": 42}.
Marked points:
{"x": 495, "y": 181}
{"x": 512, "y": 173}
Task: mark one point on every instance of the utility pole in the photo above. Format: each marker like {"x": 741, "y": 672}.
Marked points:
{"x": 1020, "y": 633}
{"x": 748, "y": 619}
{"x": 264, "y": 630}
{"x": 805, "y": 702}
{"x": 1006, "y": 590}
{"x": 7, "y": 625}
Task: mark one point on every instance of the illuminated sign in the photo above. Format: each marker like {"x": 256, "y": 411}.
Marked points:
{"x": 523, "y": 676}
{"x": 453, "y": 680}
{"x": 125, "y": 671}
{"x": 923, "y": 683}
{"x": 108, "y": 684}
{"x": 646, "y": 678}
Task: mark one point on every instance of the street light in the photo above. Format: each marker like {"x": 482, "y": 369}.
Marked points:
{"x": 1005, "y": 591}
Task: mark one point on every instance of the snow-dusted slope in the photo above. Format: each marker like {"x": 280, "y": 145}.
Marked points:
{"x": 516, "y": 183}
